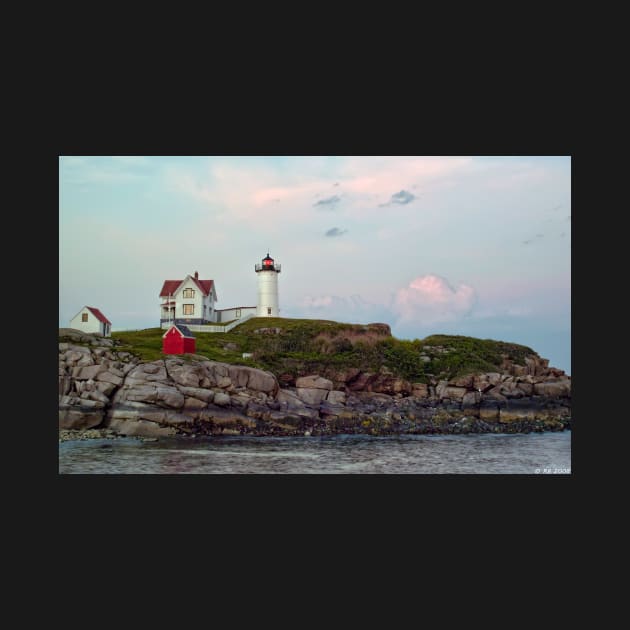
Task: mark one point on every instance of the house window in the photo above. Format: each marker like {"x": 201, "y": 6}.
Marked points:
{"x": 268, "y": 311}
{"x": 84, "y": 317}
{"x": 189, "y": 293}
{"x": 189, "y": 309}
{"x": 237, "y": 313}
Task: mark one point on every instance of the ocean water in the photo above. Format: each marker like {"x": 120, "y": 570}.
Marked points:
{"x": 532, "y": 453}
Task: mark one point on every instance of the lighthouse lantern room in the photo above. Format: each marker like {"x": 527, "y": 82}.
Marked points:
{"x": 267, "y": 272}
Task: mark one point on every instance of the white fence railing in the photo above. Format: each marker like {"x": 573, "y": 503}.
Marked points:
{"x": 212, "y": 328}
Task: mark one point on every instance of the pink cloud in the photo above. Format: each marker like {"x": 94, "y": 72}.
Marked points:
{"x": 427, "y": 300}
{"x": 386, "y": 175}
{"x": 430, "y": 299}
{"x": 376, "y": 178}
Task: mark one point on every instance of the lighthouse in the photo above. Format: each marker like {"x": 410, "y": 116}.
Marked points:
{"x": 267, "y": 272}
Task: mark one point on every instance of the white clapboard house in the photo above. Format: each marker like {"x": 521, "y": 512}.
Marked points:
{"x": 188, "y": 301}
{"x": 91, "y": 320}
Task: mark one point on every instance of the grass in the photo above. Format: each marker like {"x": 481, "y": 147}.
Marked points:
{"x": 307, "y": 346}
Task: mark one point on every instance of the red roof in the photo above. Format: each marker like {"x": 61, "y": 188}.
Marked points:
{"x": 98, "y": 315}
{"x": 170, "y": 286}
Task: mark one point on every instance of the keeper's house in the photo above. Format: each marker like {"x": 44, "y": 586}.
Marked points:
{"x": 188, "y": 301}
{"x": 192, "y": 301}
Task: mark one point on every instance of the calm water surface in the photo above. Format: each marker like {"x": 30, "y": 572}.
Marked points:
{"x": 542, "y": 453}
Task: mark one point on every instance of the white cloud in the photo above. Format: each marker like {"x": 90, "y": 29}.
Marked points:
{"x": 130, "y": 160}
{"x": 352, "y": 309}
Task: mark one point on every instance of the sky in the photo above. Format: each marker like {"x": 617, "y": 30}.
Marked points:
{"x": 462, "y": 245}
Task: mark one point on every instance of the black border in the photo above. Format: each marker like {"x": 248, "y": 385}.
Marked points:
{"x": 298, "y": 127}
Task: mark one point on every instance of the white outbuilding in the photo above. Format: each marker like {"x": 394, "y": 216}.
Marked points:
{"x": 91, "y": 320}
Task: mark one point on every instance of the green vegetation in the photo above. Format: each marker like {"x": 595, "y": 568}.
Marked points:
{"x": 468, "y": 354}
{"x": 307, "y": 346}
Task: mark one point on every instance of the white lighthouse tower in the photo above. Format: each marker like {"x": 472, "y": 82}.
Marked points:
{"x": 267, "y": 273}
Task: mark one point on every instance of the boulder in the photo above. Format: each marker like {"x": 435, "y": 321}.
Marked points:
{"x": 95, "y": 395}
{"x": 519, "y": 370}
{"x": 222, "y": 399}
{"x": 305, "y": 412}
{"x": 262, "y": 381}
{"x": 336, "y": 397}
{"x": 169, "y": 396}
{"x": 86, "y": 359}
{"x": 65, "y": 385}
{"x": 139, "y": 427}
{"x": 206, "y": 395}
{"x": 494, "y": 378}
{"x": 79, "y": 349}
{"x": 311, "y": 395}
{"x": 87, "y": 372}
{"x": 239, "y": 375}
{"x": 207, "y": 381}
{"x": 78, "y": 418}
{"x": 454, "y": 393}
{"x": 139, "y": 393}
{"x": 328, "y": 410}
{"x": 138, "y": 373}
{"x": 313, "y": 382}
{"x": 345, "y": 375}
{"x": 495, "y": 394}
{"x": 558, "y": 388}
{"x": 194, "y": 403}
{"x": 108, "y": 377}
{"x": 533, "y": 366}
{"x": 462, "y": 381}
{"x": 290, "y": 399}
{"x": 240, "y": 399}
{"x": 385, "y": 384}
{"x": 526, "y": 388}
{"x": 74, "y": 401}
{"x": 187, "y": 375}
{"x": 471, "y": 399}
{"x": 361, "y": 381}
{"x": 440, "y": 387}
{"x": 420, "y": 390}
{"x": 217, "y": 369}
{"x": 510, "y": 390}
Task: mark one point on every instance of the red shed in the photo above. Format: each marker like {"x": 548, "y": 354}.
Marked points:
{"x": 178, "y": 340}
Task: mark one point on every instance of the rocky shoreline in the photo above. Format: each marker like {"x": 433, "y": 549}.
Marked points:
{"x": 105, "y": 393}
{"x": 72, "y": 435}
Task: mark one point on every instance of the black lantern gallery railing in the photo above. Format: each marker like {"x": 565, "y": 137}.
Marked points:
{"x": 272, "y": 267}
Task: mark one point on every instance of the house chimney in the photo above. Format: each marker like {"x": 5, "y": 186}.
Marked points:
{"x": 196, "y": 276}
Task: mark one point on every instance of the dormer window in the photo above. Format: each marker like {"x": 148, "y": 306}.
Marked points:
{"x": 189, "y": 293}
